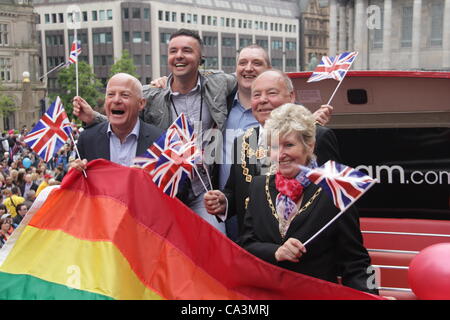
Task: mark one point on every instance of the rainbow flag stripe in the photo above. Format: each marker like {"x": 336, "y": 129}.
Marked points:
{"x": 115, "y": 235}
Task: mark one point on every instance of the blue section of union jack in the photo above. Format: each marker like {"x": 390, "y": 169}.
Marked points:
{"x": 51, "y": 131}
{"x": 171, "y": 159}
{"x": 343, "y": 184}
{"x": 75, "y": 51}
{"x": 333, "y": 67}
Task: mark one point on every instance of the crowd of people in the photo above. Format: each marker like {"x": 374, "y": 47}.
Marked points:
{"x": 23, "y": 175}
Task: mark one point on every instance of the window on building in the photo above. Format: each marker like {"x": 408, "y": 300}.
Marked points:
{"x": 47, "y": 18}
{"x": 54, "y": 18}
{"x": 126, "y": 13}
{"x": 109, "y": 14}
{"x": 61, "y": 17}
{"x": 291, "y": 45}
{"x": 277, "y": 63}
{"x": 102, "y": 15}
{"x": 5, "y": 69}
{"x": 160, "y": 15}
{"x": 4, "y": 34}
{"x": 228, "y": 42}
{"x": 167, "y": 16}
{"x": 137, "y": 37}
{"x": 277, "y": 45}
{"x": 211, "y": 62}
{"x": 148, "y": 59}
{"x": 146, "y": 13}
{"x": 228, "y": 62}
{"x": 137, "y": 59}
{"x": 163, "y": 60}
{"x": 437, "y": 24}
{"x": 182, "y": 17}
{"x": 165, "y": 37}
{"x": 194, "y": 19}
{"x": 136, "y": 13}
{"x": 85, "y": 16}
{"x": 146, "y": 37}
{"x": 189, "y": 18}
{"x": 407, "y": 23}
{"x": 210, "y": 41}
{"x": 126, "y": 37}
{"x": 94, "y": 16}
{"x": 263, "y": 43}
{"x": 174, "y": 17}
{"x": 291, "y": 63}
{"x": 233, "y": 22}
{"x": 203, "y": 19}
{"x": 244, "y": 42}
{"x": 102, "y": 38}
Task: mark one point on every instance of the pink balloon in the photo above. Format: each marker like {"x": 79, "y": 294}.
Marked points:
{"x": 429, "y": 273}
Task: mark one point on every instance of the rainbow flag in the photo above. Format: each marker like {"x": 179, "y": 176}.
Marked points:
{"x": 115, "y": 235}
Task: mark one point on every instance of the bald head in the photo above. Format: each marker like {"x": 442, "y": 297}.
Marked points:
{"x": 271, "y": 89}
{"x": 131, "y": 82}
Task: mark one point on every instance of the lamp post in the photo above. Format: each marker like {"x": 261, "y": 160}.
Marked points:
{"x": 27, "y": 102}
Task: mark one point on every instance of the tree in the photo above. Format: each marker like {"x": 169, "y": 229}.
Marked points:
{"x": 124, "y": 64}
{"x": 7, "y": 103}
{"x": 90, "y": 88}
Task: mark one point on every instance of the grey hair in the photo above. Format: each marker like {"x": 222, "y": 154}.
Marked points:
{"x": 292, "y": 118}
{"x": 287, "y": 81}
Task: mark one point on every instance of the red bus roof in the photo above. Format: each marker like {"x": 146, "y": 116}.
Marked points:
{"x": 381, "y": 73}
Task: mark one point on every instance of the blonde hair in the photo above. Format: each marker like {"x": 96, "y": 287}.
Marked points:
{"x": 292, "y": 118}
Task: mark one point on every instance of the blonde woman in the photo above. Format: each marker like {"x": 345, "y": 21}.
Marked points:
{"x": 285, "y": 209}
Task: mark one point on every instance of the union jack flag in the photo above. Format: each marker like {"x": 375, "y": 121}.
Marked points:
{"x": 333, "y": 67}
{"x": 75, "y": 51}
{"x": 171, "y": 159}
{"x": 51, "y": 131}
{"x": 343, "y": 184}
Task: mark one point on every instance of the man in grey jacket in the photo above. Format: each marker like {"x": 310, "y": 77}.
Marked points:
{"x": 202, "y": 98}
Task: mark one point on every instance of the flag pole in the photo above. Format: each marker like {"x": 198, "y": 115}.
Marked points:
{"x": 201, "y": 180}
{"x": 340, "y": 82}
{"x": 339, "y": 214}
{"x": 55, "y": 68}
{"x": 76, "y": 63}
{"x": 78, "y": 153}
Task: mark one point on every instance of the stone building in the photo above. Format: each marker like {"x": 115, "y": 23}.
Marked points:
{"x": 19, "y": 62}
{"x": 388, "y": 34}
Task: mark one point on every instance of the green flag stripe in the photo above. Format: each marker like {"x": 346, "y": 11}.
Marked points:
{"x": 26, "y": 287}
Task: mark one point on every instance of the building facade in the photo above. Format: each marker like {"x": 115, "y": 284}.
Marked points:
{"x": 388, "y": 34}
{"x": 106, "y": 28}
{"x": 19, "y": 60}
{"x": 315, "y": 25}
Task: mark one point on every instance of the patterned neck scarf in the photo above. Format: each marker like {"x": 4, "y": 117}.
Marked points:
{"x": 290, "y": 191}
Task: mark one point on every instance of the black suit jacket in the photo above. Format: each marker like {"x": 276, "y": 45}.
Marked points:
{"x": 34, "y": 187}
{"x": 337, "y": 251}
{"x": 236, "y": 189}
{"x": 93, "y": 142}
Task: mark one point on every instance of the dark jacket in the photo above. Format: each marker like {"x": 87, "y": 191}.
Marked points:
{"x": 236, "y": 189}
{"x": 337, "y": 251}
{"x": 93, "y": 142}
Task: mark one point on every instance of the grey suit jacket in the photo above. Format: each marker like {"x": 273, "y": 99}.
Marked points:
{"x": 93, "y": 142}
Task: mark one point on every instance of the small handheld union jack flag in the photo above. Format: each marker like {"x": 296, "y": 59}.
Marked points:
{"x": 171, "y": 159}
{"x": 75, "y": 51}
{"x": 51, "y": 131}
{"x": 343, "y": 184}
{"x": 333, "y": 67}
